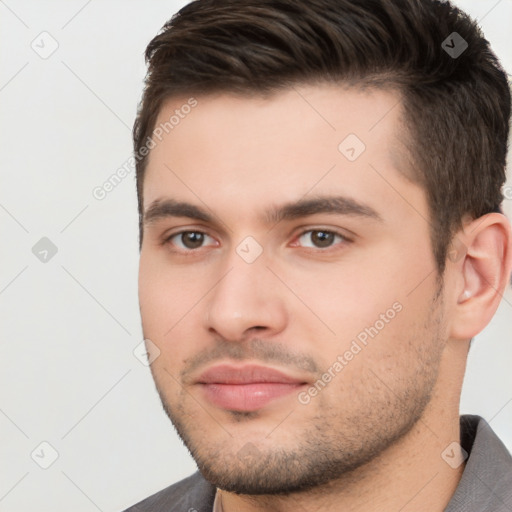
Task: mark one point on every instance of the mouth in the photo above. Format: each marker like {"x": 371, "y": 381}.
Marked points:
{"x": 246, "y": 388}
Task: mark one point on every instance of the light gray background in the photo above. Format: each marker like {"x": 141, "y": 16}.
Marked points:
{"x": 68, "y": 375}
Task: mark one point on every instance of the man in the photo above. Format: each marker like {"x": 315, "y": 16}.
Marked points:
{"x": 319, "y": 187}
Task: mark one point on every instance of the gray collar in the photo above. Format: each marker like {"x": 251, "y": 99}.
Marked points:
{"x": 486, "y": 484}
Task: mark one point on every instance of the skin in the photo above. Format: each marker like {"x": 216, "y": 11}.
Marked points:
{"x": 372, "y": 438}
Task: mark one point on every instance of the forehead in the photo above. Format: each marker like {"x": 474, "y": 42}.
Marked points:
{"x": 244, "y": 152}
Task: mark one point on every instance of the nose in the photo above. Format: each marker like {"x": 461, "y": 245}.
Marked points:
{"x": 245, "y": 301}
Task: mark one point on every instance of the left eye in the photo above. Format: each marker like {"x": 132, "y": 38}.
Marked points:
{"x": 319, "y": 238}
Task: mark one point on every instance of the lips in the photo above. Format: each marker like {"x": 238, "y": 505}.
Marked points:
{"x": 246, "y": 388}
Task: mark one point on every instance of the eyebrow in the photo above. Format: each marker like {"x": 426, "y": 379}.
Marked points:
{"x": 339, "y": 205}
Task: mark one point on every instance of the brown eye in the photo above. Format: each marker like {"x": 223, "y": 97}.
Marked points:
{"x": 192, "y": 239}
{"x": 319, "y": 239}
{"x": 188, "y": 240}
{"x": 322, "y": 238}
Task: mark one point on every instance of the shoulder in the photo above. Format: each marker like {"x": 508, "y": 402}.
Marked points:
{"x": 486, "y": 483}
{"x": 193, "y": 494}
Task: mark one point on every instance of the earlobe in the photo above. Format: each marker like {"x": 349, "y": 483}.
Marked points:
{"x": 466, "y": 294}
{"x": 483, "y": 274}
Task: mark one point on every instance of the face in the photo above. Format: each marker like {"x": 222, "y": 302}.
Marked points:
{"x": 287, "y": 279}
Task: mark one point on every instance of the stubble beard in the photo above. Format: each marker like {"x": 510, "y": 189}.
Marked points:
{"x": 340, "y": 438}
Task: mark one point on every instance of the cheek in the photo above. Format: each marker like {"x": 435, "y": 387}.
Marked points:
{"x": 365, "y": 303}
{"x": 347, "y": 297}
{"x": 154, "y": 298}
{"x": 170, "y": 308}
{"x": 166, "y": 292}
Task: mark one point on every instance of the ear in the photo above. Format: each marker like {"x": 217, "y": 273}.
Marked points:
{"x": 482, "y": 273}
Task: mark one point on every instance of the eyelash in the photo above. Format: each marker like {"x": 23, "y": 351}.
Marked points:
{"x": 344, "y": 239}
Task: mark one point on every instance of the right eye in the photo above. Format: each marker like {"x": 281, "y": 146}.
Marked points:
{"x": 189, "y": 240}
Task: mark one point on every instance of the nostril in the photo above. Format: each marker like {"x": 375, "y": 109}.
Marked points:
{"x": 257, "y": 328}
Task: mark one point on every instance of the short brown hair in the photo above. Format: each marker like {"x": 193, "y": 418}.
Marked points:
{"x": 457, "y": 107}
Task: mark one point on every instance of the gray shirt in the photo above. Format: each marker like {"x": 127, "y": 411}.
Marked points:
{"x": 485, "y": 486}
